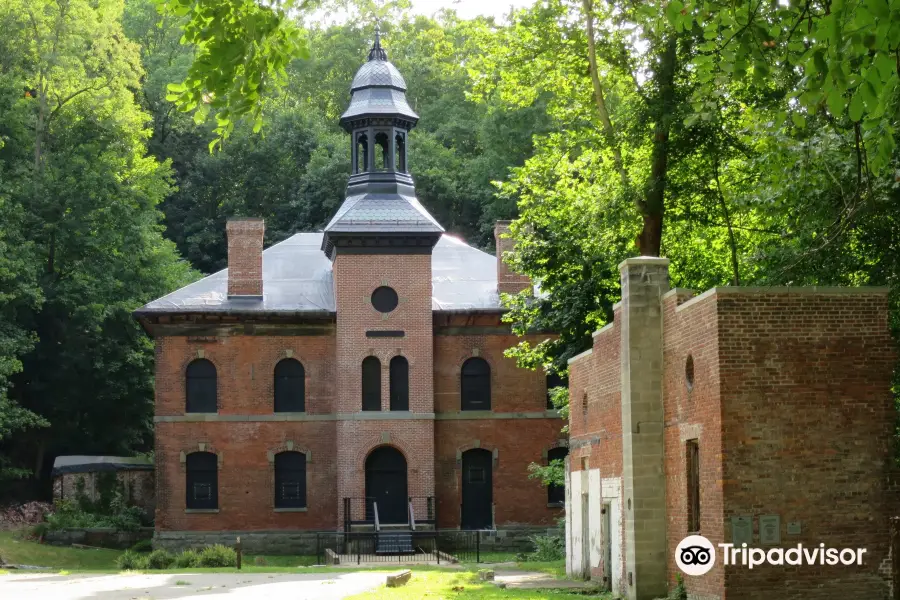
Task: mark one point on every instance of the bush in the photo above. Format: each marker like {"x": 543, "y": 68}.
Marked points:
{"x": 187, "y": 559}
{"x": 70, "y": 515}
{"x": 39, "y": 531}
{"x": 218, "y": 556}
{"x": 160, "y": 559}
{"x": 547, "y": 548}
{"x": 679, "y": 592}
{"x": 131, "y": 561}
{"x": 142, "y": 546}
{"x": 260, "y": 561}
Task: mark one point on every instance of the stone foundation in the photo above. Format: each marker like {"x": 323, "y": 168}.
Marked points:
{"x": 304, "y": 542}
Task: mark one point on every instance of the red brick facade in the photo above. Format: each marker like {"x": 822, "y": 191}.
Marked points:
{"x": 788, "y": 396}
{"x": 335, "y": 434}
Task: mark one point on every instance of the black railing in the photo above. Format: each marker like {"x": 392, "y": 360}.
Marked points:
{"x": 361, "y": 511}
{"x": 399, "y": 547}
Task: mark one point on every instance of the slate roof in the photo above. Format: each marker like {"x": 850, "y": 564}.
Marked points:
{"x": 297, "y": 279}
{"x": 378, "y": 73}
{"x": 383, "y": 213}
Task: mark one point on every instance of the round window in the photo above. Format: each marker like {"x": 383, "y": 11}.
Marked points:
{"x": 384, "y": 299}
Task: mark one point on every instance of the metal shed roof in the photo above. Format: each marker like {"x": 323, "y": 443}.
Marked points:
{"x": 91, "y": 464}
{"x": 297, "y": 279}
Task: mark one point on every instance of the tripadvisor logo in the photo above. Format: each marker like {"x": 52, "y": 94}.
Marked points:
{"x": 696, "y": 555}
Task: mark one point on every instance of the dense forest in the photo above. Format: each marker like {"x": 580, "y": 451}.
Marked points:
{"x": 752, "y": 143}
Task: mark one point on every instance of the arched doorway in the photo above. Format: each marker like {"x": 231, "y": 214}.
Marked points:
{"x": 386, "y": 484}
{"x": 477, "y": 489}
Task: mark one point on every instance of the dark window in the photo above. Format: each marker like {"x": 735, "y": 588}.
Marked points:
{"x": 553, "y": 381}
{"x": 371, "y": 383}
{"x": 400, "y": 153}
{"x": 556, "y": 494}
{"x": 290, "y": 386}
{"x": 399, "y": 383}
{"x": 476, "y": 385}
{"x": 693, "y": 481}
{"x": 290, "y": 480}
{"x": 385, "y": 299}
{"x": 382, "y": 152}
{"x": 201, "y": 387}
{"x": 202, "y": 480}
{"x": 362, "y": 153}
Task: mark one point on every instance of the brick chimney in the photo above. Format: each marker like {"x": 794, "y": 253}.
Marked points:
{"x": 245, "y": 246}
{"x": 508, "y": 281}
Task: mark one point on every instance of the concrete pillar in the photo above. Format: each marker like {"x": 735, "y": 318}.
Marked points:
{"x": 644, "y": 281}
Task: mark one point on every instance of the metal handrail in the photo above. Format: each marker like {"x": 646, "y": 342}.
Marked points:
{"x": 375, "y": 510}
{"x": 412, "y": 517}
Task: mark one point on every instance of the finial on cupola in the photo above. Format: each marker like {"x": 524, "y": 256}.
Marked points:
{"x": 377, "y": 52}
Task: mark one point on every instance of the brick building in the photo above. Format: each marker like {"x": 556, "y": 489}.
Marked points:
{"x": 348, "y": 371}
{"x": 745, "y": 415}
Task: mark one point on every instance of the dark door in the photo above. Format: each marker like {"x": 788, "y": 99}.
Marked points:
{"x": 386, "y": 485}
{"x": 477, "y": 489}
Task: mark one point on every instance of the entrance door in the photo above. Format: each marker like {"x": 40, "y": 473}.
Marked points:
{"x": 386, "y": 484}
{"x": 477, "y": 489}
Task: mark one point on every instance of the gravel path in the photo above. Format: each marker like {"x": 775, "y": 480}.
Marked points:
{"x": 214, "y": 586}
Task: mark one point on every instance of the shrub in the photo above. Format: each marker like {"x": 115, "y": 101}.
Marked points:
{"x": 131, "y": 561}
{"x": 679, "y": 592}
{"x": 547, "y": 548}
{"x": 160, "y": 559}
{"x": 39, "y": 531}
{"x": 260, "y": 561}
{"x": 218, "y": 556}
{"x": 187, "y": 559}
{"x": 142, "y": 546}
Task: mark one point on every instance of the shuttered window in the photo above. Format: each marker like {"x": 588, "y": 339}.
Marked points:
{"x": 475, "y": 385}
{"x": 399, "y": 383}
{"x": 290, "y": 480}
{"x": 371, "y": 383}
{"x": 290, "y": 386}
{"x": 202, "y": 480}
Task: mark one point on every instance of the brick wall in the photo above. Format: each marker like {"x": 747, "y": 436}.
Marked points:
{"x": 692, "y": 413}
{"x": 807, "y": 424}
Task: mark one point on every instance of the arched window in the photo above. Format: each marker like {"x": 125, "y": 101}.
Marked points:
{"x": 290, "y": 480}
{"x": 399, "y": 383}
{"x": 556, "y": 494}
{"x": 553, "y": 381}
{"x": 371, "y": 383}
{"x": 362, "y": 153}
{"x": 290, "y": 386}
{"x": 382, "y": 152}
{"x": 475, "y": 386}
{"x": 202, "y": 480}
{"x": 201, "y": 387}
{"x": 400, "y": 153}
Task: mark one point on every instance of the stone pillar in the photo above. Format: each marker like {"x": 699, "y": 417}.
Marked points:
{"x": 644, "y": 281}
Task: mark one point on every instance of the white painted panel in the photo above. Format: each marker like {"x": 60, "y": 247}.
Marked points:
{"x": 616, "y": 550}
{"x": 573, "y": 524}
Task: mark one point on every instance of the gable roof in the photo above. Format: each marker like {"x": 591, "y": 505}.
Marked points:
{"x": 297, "y": 279}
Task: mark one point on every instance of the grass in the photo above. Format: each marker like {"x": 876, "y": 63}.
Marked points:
{"x": 16, "y": 550}
{"x": 462, "y": 585}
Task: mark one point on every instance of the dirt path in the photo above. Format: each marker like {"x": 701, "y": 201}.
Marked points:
{"x": 214, "y": 586}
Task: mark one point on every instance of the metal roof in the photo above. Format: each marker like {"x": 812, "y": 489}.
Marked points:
{"x": 378, "y": 73}
{"x": 88, "y": 464}
{"x": 297, "y": 279}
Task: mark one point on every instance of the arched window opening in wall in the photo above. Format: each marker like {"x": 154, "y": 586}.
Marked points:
{"x": 200, "y": 387}
{"x": 556, "y": 494}
{"x": 290, "y": 480}
{"x": 554, "y": 381}
{"x": 400, "y": 153}
{"x": 399, "y": 383}
{"x": 202, "y": 481}
{"x": 362, "y": 153}
{"x": 371, "y": 383}
{"x": 382, "y": 152}
{"x": 475, "y": 384}
{"x": 290, "y": 386}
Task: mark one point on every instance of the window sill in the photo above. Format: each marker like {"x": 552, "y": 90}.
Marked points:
{"x": 556, "y": 505}
{"x": 187, "y": 414}
{"x": 201, "y": 510}
{"x": 290, "y": 413}
{"x": 290, "y": 510}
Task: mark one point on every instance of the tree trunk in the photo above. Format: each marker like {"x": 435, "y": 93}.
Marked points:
{"x": 653, "y": 204}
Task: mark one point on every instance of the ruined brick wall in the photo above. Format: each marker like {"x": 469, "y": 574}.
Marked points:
{"x": 692, "y": 412}
{"x": 139, "y": 487}
{"x": 807, "y": 424}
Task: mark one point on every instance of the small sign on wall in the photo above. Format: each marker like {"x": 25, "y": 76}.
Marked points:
{"x": 770, "y": 529}
{"x": 794, "y": 528}
{"x": 741, "y": 530}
